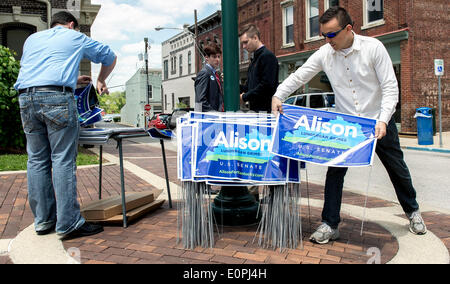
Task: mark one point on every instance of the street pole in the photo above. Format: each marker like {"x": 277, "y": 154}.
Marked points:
{"x": 230, "y": 54}
{"x": 440, "y": 112}
{"x": 146, "y": 75}
{"x": 234, "y": 205}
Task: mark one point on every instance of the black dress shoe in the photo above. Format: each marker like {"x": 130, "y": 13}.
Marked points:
{"x": 87, "y": 229}
{"x": 47, "y": 231}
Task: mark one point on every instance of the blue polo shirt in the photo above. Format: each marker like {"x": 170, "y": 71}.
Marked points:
{"x": 52, "y": 57}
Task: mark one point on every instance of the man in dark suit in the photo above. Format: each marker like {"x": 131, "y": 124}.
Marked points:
{"x": 208, "y": 84}
{"x": 262, "y": 81}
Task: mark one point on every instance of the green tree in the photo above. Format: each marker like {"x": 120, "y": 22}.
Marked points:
{"x": 113, "y": 102}
{"x": 12, "y": 137}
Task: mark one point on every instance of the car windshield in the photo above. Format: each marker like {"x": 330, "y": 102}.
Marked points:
{"x": 163, "y": 116}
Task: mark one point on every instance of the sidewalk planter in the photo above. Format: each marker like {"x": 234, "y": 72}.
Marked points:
{"x": 424, "y": 125}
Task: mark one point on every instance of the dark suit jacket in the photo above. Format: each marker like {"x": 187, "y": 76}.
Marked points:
{"x": 262, "y": 81}
{"x": 208, "y": 93}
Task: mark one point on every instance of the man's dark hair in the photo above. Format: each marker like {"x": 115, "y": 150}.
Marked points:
{"x": 63, "y": 18}
{"x": 339, "y": 13}
{"x": 251, "y": 30}
{"x": 212, "y": 49}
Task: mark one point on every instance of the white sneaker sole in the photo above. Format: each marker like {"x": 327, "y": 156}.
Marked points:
{"x": 420, "y": 233}
{"x": 324, "y": 241}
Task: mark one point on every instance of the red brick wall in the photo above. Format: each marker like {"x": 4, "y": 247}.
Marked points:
{"x": 425, "y": 21}
{"x": 261, "y": 13}
{"x": 203, "y": 38}
{"x": 428, "y": 23}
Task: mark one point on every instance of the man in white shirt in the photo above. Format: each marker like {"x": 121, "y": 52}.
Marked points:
{"x": 363, "y": 80}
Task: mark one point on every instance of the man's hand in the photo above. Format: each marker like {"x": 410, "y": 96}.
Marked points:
{"x": 380, "y": 130}
{"x": 102, "y": 88}
{"x": 276, "y": 105}
{"x": 84, "y": 80}
{"x": 242, "y": 100}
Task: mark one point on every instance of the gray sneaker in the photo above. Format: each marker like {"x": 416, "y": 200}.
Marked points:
{"x": 324, "y": 234}
{"x": 416, "y": 224}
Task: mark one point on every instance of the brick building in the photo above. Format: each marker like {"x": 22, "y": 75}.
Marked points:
{"x": 209, "y": 30}
{"x": 21, "y": 18}
{"x": 411, "y": 31}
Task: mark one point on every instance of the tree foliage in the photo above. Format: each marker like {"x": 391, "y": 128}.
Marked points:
{"x": 12, "y": 137}
{"x": 113, "y": 102}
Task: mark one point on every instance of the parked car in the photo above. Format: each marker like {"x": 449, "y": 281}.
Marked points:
{"x": 160, "y": 121}
{"x": 324, "y": 101}
{"x": 108, "y": 118}
{"x": 177, "y": 113}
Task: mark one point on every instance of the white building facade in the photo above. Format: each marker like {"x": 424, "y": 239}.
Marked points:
{"x": 178, "y": 65}
{"x": 133, "y": 112}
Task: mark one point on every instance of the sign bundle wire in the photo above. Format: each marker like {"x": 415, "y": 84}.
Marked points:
{"x": 196, "y": 215}
{"x": 280, "y": 224}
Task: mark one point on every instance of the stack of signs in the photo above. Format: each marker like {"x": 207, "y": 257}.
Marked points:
{"x": 231, "y": 149}
{"x": 87, "y": 106}
{"x": 324, "y": 138}
{"x": 236, "y": 149}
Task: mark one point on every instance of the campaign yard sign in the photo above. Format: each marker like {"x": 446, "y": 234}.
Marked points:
{"x": 325, "y": 138}
{"x": 237, "y": 151}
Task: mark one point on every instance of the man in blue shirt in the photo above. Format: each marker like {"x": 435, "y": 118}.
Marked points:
{"x": 47, "y": 79}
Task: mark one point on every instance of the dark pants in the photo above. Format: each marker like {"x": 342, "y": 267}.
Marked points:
{"x": 390, "y": 154}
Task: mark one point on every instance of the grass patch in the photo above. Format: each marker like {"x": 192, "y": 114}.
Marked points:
{"x": 18, "y": 162}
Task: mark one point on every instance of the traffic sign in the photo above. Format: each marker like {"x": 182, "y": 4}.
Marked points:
{"x": 147, "y": 107}
{"x": 147, "y": 113}
{"x": 439, "y": 67}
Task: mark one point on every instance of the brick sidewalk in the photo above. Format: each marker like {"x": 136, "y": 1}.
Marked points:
{"x": 152, "y": 239}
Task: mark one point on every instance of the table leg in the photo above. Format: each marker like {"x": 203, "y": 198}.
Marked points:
{"x": 100, "y": 173}
{"x": 122, "y": 182}
{"x": 165, "y": 171}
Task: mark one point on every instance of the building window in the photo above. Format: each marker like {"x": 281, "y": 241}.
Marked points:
{"x": 13, "y": 36}
{"x": 166, "y": 69}
{"x": 150, "y": 93}
{"x": 312, "y": 18}
{"x": 165, "y": 101}
{"x": 331, "y": 3}
{"x": 189, "y": 62}
{"x": 288, "y": 25}
{"x": 181, "y": 65}
{"x": 173, "y": 100}
{"x": 374, "y": 12}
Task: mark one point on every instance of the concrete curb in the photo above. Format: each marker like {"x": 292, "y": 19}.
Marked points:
{"x": 24, "y": 249}
{"x": 437, "y": 150}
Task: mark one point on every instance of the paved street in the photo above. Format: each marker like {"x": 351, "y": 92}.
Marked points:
{"x": 429, "y": 171}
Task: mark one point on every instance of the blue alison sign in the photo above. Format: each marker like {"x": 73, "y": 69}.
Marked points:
{"x": 233, "y": 151}
{"x": 326, "y": 138}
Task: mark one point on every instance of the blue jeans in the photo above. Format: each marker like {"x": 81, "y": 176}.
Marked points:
{"x": 50, "y": 123}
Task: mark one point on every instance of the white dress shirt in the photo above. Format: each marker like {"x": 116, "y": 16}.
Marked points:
{"x": 362, "y": 78}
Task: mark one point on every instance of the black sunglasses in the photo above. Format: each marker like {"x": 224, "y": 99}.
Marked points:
{"x": 333, "y": 34}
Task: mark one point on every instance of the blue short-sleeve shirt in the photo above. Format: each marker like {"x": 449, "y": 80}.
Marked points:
{"x": 52, "y": 57}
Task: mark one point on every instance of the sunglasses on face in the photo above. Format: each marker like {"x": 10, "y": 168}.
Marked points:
{"x": 333, "y": 34}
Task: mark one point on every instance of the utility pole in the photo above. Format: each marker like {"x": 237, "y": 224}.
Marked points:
{"x": 146, "y": 75}
{"x": 195, "y": 42}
